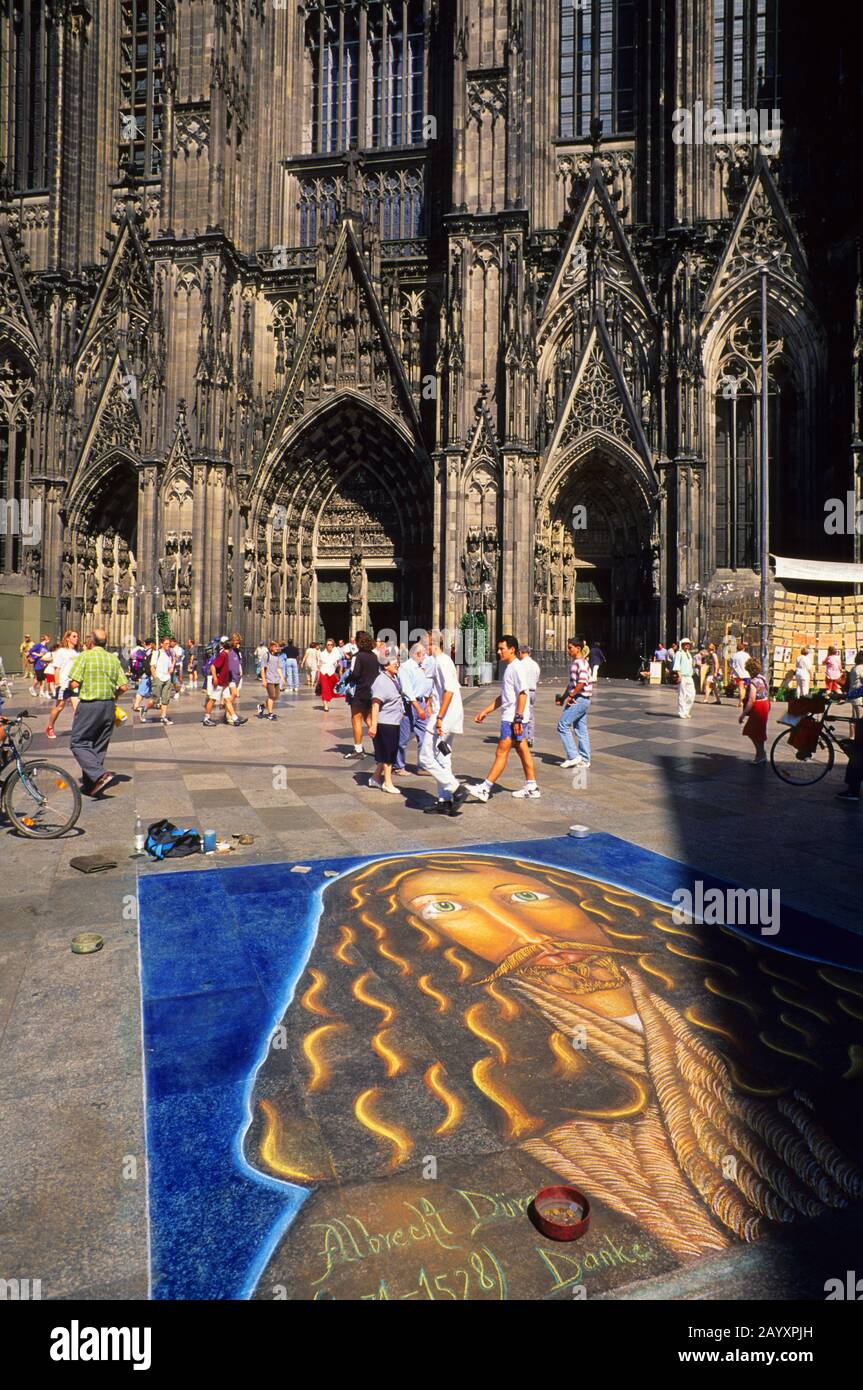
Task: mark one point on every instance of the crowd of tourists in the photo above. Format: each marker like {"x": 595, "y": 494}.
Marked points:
{"x": 395, "y": 696}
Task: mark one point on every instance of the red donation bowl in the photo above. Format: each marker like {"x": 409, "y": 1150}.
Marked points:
{"x": 561, "y": 1213}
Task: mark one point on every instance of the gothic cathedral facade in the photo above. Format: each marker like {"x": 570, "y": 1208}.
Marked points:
{"x": 359, "y": 312}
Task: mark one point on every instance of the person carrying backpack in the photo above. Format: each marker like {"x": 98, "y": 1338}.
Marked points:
{"x": 140, "y": 665}
{"x": 219, "y": 691}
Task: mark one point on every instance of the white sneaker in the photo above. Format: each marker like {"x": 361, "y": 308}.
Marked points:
{"x": 582, "y": 762}
{"x": 571, "y": 762}
{"x": 480, "y": 793}
{"x": 527, "y": 794}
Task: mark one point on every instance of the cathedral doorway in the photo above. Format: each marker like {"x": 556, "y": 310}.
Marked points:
{"x": 98, "y": 561}
{"x": 594, "y": 563}
{"x": 333, "y": 608}
{"x": 349, "y": 537}
{"x": 384, "y": 609}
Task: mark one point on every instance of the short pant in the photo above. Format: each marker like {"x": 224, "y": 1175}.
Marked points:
{"x": 506, "y": 731}
{"x": 164, "y": 692}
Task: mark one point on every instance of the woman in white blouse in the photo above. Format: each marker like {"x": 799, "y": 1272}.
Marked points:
{"x": 803, "y": 672}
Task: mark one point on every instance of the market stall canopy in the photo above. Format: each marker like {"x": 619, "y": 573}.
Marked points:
{"x": 821, "y": 571}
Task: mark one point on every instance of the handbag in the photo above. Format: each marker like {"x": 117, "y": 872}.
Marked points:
{"x": 167, "y": 841}
{"x": 347, "y": 687}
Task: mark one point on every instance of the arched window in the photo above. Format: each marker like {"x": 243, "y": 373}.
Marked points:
{"x": 16, "y": 417}
{"x": 746, "y": 54}
{"x": 367, "y": 74}
{"x": 28, "y": 65}
{"x": 142, "y": 77}
{"x": 738, "y": 451}
{"x": 597, "y": 67}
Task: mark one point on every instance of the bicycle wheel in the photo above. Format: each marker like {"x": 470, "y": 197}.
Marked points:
{"x": 42, "y": 802}
{"x": 801, "y": 770}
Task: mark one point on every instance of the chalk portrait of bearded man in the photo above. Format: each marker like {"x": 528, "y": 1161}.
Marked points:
{"x": 450, "y": 997}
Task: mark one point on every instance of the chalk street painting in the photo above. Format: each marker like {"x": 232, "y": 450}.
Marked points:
{"x": 421, "y": 1042}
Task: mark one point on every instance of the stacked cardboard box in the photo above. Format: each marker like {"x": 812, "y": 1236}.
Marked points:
{"x": 801, "y": 620}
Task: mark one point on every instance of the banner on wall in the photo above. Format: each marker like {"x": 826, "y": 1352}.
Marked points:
{"x": 819, "y": 571}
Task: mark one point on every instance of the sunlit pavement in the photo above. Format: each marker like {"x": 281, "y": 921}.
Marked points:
{"x": 72, "y": 1189}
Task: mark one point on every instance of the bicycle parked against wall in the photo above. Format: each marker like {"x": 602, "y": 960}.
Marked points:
{"x": 40, "y": 799}
{"x": 805, "y": 752}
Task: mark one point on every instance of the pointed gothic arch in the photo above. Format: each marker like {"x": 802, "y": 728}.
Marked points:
{"x": 341, "y": 530}
{"x": 594, "y": 551}
{"x": 100, "y": 545}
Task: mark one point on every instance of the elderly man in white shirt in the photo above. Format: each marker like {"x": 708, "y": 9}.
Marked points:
{"x": 532, "y": 673}
{"x": 446, "y": 720}
{"x": 685, "y": 672}
{"x": 416, "y": 678}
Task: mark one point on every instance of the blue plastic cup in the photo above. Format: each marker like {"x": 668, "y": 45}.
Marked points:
{"x": 209, "y": 841}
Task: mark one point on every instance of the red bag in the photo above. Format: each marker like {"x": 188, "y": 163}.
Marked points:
{"x": 805, "y": 736}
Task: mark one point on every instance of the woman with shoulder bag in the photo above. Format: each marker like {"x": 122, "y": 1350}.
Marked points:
{"x": 386, "y": 721}
{"x": 365, "y": 670}
{"x": 756, "y": 708}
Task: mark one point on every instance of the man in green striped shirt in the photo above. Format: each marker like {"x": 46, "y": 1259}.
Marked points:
{"x": 97, "y": 677}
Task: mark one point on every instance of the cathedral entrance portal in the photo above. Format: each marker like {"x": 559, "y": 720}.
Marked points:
{"x": 594, "y": 571}
{"x": 349, "y": 529}
{"x": 333, "y": 608}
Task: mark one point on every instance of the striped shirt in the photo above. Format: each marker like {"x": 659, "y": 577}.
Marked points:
{"x": 580, "y": 674}
{"x": 99, "y": 673}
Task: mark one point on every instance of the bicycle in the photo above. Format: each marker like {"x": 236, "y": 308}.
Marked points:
{"x": 39, "y": 799}
{"x": 804, "y": 754}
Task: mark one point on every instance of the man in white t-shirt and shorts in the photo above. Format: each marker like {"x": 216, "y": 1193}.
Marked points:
{"x": 512, "y": 702}
{"x": 739, "y": 671}
{"x": 445, "y": 721}
{"x": 162, "y": 666}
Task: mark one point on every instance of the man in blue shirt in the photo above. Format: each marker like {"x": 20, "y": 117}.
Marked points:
{"x": 38, "y": 656}
{"x": 416, "y": 682}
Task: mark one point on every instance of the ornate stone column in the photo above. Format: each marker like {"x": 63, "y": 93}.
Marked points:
{"x": 148, "y": 575}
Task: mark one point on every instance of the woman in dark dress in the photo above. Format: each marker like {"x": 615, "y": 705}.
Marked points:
{"x": 365, "y": 671}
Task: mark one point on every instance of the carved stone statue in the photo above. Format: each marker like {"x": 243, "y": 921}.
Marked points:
{"x": 656, "y": 569}
{"x": 66, "y": 575}
{"x": 89, "y": 589}
{"x": 356, "y": 577}
{"x": 490, "y": 558}
{"x": 184, "y": 569}
{"x": 261, "y": 575}
{"x": 472, "y": 559}
{"x": 248, "y": 573}
{"x": 33, "y": 567}
{"x": 540, "y": 572}
{"x": 168, "y": 568}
